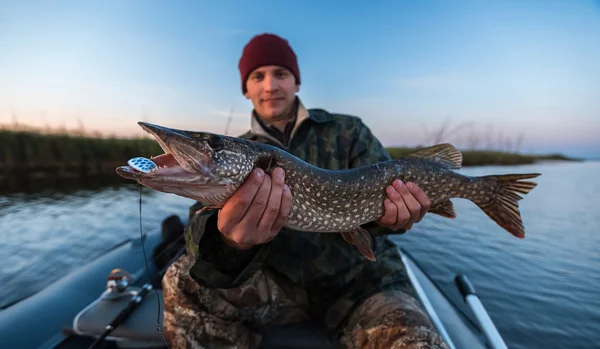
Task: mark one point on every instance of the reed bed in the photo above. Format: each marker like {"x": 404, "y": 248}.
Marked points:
{"x": 32, "y": 151}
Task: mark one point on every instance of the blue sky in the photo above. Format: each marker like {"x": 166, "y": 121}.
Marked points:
{"x": 496, "y": 68}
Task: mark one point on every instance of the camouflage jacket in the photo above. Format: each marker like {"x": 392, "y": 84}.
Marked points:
{"x": 333, "y": 272}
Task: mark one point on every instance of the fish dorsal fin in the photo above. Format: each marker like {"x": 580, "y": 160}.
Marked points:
{"x": 445, "y": 154}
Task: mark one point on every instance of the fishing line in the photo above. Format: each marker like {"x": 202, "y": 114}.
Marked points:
{"x": 148, "y": 271}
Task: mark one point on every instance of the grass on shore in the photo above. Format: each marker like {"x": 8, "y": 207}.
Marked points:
{"x": 33, "y": 151}
{"x": 28, "y": 150}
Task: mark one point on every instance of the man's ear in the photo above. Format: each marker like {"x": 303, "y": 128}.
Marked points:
{"x": 297, "y": 88}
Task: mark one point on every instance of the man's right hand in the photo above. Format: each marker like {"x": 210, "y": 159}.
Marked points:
{"x": 256, "y": 211}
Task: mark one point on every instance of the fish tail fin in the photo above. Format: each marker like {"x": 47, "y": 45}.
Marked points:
{"x": 500, "y": 202}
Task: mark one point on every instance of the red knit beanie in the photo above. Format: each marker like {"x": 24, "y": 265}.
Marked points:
{"x": 267, "y": 49}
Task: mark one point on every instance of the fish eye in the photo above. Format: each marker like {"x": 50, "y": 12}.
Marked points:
{"x": 216, "y": 143}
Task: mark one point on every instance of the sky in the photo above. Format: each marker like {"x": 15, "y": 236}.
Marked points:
{"x": 488, "y": 71}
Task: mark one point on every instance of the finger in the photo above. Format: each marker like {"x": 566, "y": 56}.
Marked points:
{"x": 421, "y": 197}
{"x": 390, "y": 210}
{"x": 274, "y": 201}
{"x": 284, "y": 212}
{"x": 402, "y": 217}
{"x": 235, "y": 208}
{"x": 257, "y": 207}
{"x": 414, "y": 208}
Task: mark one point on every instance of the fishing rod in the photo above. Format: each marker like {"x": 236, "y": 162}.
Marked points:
{"x": 123, "y": 315}
{"x": 120, "y": 283}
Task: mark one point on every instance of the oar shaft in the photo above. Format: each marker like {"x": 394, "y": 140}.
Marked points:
{"x": 486, "y": 324}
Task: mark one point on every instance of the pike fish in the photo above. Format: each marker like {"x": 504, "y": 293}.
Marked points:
{"x": 210, "y": 167}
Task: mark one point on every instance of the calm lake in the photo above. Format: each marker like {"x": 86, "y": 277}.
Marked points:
{"x": 542, "y": 291}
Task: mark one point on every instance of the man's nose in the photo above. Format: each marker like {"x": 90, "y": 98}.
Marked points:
{"x": 270, "y": 83}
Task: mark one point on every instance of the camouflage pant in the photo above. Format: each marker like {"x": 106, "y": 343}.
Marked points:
{"x": 198, "y": 317}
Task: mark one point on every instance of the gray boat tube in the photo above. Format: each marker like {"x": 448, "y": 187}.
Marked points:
{"x": 486, "y": 324}
{"x": 437, "y": 322}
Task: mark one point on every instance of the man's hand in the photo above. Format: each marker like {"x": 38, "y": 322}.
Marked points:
{"x": 405, "y": 205}
{"x": 256, "y": 211}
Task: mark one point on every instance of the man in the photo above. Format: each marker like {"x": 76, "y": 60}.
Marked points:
{"x": 244, "y": 270}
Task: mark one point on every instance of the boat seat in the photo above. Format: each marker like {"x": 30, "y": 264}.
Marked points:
{"x": 139, "y": 329}
{"x": 295, "y": 336}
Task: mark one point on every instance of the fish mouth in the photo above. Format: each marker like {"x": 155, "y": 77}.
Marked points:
{"x": 181, "y": 161}
{"x": 167, "y": 167}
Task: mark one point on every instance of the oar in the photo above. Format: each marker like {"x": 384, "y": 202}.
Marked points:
{"x": 483, "y": 318}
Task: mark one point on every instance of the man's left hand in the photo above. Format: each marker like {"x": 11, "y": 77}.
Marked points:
{"x": 405, "y": 205}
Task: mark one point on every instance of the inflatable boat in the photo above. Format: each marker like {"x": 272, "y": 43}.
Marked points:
{"x": 112, "y": 303}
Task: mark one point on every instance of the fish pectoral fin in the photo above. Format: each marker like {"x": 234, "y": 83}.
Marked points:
{"x": 266, "y": 162}
{"x": 206, "y": 208}
{"x": 444, "y": 209}
{"x": 361, "y": 238}
{"x": 445, "y": 154}
{"x": 348, "y": 237}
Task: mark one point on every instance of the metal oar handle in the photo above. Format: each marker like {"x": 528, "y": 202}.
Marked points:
{"x": 483, "y": 318}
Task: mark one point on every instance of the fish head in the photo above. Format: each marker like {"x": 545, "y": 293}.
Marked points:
{"x": 195, "y": 164}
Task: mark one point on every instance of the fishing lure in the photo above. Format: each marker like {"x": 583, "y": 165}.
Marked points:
{"x": 142, "y": 164}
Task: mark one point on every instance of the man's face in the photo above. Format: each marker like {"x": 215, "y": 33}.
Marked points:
{"x": 272, "y": 90}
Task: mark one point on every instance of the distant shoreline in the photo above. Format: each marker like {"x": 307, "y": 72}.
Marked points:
{"x": 37, "y": 155}
{"x": 473, "y": 158}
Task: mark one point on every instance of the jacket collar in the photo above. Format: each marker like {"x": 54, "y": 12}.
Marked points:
{"x": 302, "y": 115}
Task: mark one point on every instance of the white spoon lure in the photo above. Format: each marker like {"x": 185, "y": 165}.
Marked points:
{"x": 142, "y": 164}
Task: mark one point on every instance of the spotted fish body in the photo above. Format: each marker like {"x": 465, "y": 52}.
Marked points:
{"x": 338, "y": 201}
{"x": 341, "y": 200}
{"x": 327, "y": 201}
